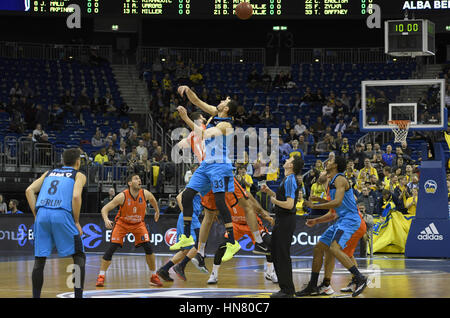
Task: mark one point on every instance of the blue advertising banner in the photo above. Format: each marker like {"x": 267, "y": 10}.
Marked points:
{"x": 16, "y": 235}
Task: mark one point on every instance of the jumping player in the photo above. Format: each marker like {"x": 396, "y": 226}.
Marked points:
{"x": 130, "y": 219}
{"x": 342, "y": 237}
{"x": 216, "y": 170}
{"x": 57, "y": 218}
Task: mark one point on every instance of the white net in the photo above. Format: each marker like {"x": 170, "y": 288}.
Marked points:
{"x": 400, "y": 129}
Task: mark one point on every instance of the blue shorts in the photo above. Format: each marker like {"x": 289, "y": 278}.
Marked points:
{"x": 347, "y": 234}
{"x": 217, "y": 177}
{"x": 56, "y": 227}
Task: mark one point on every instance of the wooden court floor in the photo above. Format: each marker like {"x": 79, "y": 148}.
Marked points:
{"x": 393, "y": 276}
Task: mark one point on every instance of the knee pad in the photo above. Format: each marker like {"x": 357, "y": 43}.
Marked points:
{"x": 39, "y": 263}
{"x": 187, "y": 201}
{"x": 79, "y": 259}
{"x": 222, "y": 207}
{"x": 147, "y": 248}
{"x": 110, "y": 251}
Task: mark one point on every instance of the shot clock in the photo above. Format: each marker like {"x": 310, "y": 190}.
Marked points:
{"x": 409, "y": 37}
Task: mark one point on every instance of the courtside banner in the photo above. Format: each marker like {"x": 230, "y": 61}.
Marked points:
{"x": 16, "y": 235}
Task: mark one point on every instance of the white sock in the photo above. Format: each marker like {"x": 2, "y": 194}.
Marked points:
{"x": 152, "y": 272}
{"x": 257, "y": 237}
{"x": 215, "y": 270}
{"x": 201, "y": 249}
{"x": 270, "y": 267}
{"x": 102, "y": 273}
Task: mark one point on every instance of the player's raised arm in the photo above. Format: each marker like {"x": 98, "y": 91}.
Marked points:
{"x": 32, "y": 190}
{"x": 118, "y": 200}
{"x": 222, "y": 129}
{"x": 151, "y": 198}
{"x": 193, "y": 98}
{"x": 80, "y": 181}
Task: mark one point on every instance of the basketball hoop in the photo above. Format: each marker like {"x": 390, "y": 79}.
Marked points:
{"x": 400, "y": 129}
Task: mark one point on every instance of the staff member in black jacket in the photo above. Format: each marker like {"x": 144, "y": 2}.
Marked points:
{"x": 284, "y": 207}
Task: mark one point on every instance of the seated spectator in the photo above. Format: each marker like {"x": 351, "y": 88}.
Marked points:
{"x": 388, "y": 156}
{"x": 366, "y": 172}
{"x": 253, "y": 79}
{"x": 97, "y": 140}
{"x": 132, "y": 141}
{"x": 359, "y": 156}
{"x": 350, "y": 173}
{"x": 345, "y": 150}
{"x": 111, "y": 195}
{"x": 285, "y": 148}
{"x": 27, "y": 91}
{"x": 157, "y": 155}
{"x": 273, "y": 171}
{"x": 341, "y": 111}
{"x": 405, "y": 149}
{"x": 319, "y": 127}
{"x": 3, "y": 206}
{"x": 287, "y": 128}
{"x": 295, "y": 150}
{"x": 113, "y": 157}
{"x": 318, "y": 190}
{"x": 413, "y": 183}
{"x": 260, "y": 168}
{"x": 244, "y": 179}
{"x": 307, "y": 98}
{"x": 166, "y": 84}
{"x": 303, "y": 145}
{"x": 291, "y": 136}
{"x": 319, "y": 165}
{"x": 411, "y": 202}
{"x": 340, "y": 126}
{"x": 240, "y": 117}
{"x": 13, "y": 207}
{"x": 399, "y": 153}
{"x": 300, "y": 209}
{"x": 196, "y": 78}
{"x": 328, "y": 110}
{"x": 266, "y": 81}
{"x": 399, "y": 167}
{"x": 253, "y": 118}
{"x": 15, "y": 91}
{"x": 400, "y": 194}
{"x": 37, "y": 133}
{"x": 366, "y": 200}
{"x": 353, "y": 126}
{"x": 132, "y": 157}
{"x": 267, "y": 117}
{"x": 299, "y": 127}
{"x": 101, "y": 158}
{"x": 141, "y": 149}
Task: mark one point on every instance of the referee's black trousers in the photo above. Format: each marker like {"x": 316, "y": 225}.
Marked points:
{"x": 281, "y": 251}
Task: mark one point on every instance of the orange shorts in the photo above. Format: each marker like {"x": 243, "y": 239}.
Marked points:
{"x": 139, "y": 231}
{"x": 231, "y": 198}
{"x": 239, "y": 230}
{"x": 352, "y": 243}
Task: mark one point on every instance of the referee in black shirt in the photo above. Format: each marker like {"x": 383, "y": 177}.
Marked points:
{"x": 284, "y": 201}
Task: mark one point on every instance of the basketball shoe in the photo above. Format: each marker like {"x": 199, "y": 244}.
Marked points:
{"x": 154, "y": 281}
{"x": 231, "y": 250}
{"x": 182, "y": 242}
{"x": 100, "y": 281}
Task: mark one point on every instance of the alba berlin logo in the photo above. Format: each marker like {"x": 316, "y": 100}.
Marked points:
{"x": 430, "y": 187}
{"x": 430, "y": 233}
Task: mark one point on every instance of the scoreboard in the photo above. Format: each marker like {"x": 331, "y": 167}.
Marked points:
{"x": 210, "y": 9}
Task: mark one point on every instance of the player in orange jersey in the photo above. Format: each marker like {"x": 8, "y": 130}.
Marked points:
{"x": 130, "y": 219}
{"x": 240, "y": 228}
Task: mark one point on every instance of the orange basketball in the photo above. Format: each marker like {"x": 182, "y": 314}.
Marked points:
{"x": 244, "y": 10}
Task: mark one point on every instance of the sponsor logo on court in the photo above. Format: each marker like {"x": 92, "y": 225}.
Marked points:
{"x": 171, "y": 236}
{"x": 175, "y": 293}
{"x": 92, "y": 235}
{"x": 430, "y": 186}
{"x": 430, "y": 233}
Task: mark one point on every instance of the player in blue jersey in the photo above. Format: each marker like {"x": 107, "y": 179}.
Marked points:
{"x": 57, "y": 219}
{"x": 342, "y": 237}
{"x": 182, "y": 258}
{"x": 216, "y": 170}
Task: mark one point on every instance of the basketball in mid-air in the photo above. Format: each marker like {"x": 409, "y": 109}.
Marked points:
{"x": 244, "y": 10}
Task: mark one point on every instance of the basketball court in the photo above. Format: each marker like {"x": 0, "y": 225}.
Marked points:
{"x": 393, "y": 276}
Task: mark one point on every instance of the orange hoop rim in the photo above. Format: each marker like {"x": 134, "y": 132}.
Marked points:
{"x": 402, "y": 124}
